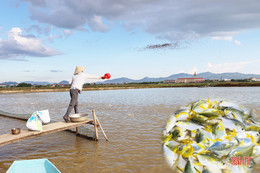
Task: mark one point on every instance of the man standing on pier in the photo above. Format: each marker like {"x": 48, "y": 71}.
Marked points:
{"x": 78, "y": 80}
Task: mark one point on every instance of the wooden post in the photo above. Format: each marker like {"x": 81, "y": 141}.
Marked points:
{"x": 95, "y": 123}
{"x": 77, "y": 130}
{"x": 102, "y": 129}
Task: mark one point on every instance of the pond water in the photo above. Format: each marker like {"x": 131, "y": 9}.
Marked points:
{"x": 133, "y": 120}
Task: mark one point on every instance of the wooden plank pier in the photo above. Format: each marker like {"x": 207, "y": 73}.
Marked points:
{"x": 47, "y": 129}
{"x": 51, "y": 128}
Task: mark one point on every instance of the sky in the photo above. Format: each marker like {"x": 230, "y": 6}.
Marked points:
{"x": 44, "y": 40}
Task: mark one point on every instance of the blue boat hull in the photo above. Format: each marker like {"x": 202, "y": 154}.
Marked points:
{"x": 32, "y": 166}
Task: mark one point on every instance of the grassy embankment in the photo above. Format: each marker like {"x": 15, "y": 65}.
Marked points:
{"x": 127, "y": 86}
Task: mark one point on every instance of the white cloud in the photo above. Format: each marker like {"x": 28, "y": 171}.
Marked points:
{"x": 97, "y": 24}
{"x": 190, "y": 71}
{"x": 18, "y": 46}
{"x": 39, "y": 29}
{"x": 226, "y": 38}
{"x": 171, "y": 19}
{"x": 50, "y": 37}
{"x": 194, "y": 69}
{"x": 227, "y": 67}
{"x": 237, "y": 42}
{"x": 67, "y": 32}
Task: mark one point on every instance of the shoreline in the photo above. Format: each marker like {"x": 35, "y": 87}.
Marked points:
{"x": 14, "y": 90}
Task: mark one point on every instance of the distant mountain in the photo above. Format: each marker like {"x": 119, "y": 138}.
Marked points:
{"x": 147, "y": 79}
{"x": 221, "y": 76}
{"x": 9, "y": 83}
{"x": 64, "y": 82}
{"x": 37, "y": 83}
{"x": 206, "y": 75}
{"x": 180, "y": 75}
{"x": 119, "y": 80}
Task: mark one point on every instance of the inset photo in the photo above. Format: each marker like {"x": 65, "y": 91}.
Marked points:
{"x": 212, "y": 135}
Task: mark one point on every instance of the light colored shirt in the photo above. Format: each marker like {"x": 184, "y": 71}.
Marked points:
{"x": 79, "y": 79}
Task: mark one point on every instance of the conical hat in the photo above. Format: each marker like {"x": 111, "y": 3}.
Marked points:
{"x": 79, "y": 69}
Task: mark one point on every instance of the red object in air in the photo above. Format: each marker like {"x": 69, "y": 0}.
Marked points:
{"x": 107, "y": 75}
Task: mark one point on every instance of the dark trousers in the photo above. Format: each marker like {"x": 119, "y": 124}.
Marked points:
{"x": 73, "y": 102}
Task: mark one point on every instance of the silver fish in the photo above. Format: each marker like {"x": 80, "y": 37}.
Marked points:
{"x": 211, "y": 113}
{"x": 170, "y": 124}
{"x": 189, "y": 168}
{"x": 180, "y": 164}
{"x": 199, "y": 106}
{"x": 248, "y": 137}
{"x": 202, "y": 135}
{"x": 241, "y": 151}
{"x": 228, "y": 104}
{"x": 235, "y": 114}
{"x": 188, "y": 125}
{"x": 170, "y": 155}
{"x": 221, "y": 148}
{"x": 178, "y": 133}
{"x": 198, "y": 148}
{"x": 211, "y": 161}
{"x": 218, "y": 129}
{"x": 210, "y": 170}
{"x": 233, "y": 124}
